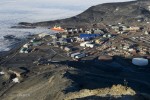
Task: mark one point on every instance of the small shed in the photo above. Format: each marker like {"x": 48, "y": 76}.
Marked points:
{"x": 16, "y": 80}
{"x": 42, "y": 35}
{"x": 25, "y": 50}
{"x": 26, "y": 45}
{"x": 146, "y": 32}
{"x": 98, "y": 31}
{"x": 64, "y": 36}
{"x": 54, "y": 36}
{"x": 18, "y": 71}
{"x": 67, "y": 49}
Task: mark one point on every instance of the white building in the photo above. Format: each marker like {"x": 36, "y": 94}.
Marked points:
{"x": 2, "y": 73}
{"x": 42, "y": 35}
{"x": 83, "y": 44}
{"x": 90, "y": 45}
{"x": 16, "y": 80}
{"x": 26, "y": 45}
{"x": 87, "y": 44}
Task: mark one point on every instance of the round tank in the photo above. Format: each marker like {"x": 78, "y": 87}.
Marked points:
{"x": 140, "y": 61}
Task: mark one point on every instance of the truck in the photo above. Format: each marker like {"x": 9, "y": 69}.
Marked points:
{"x": 74, "y": 54}
{"x": 81, "y": 55}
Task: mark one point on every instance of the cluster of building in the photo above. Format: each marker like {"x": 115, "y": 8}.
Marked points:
{"x": 124, "y": 48}
{"x": 28, "y": 47}
{"x": 84, "y": 43}
{"x": 75, "y": 42}
{"x": 124, "y": 29}
{"x": 79, "y": 43}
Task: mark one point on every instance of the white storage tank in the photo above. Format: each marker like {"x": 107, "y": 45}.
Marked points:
{"x": 140, "y": 61}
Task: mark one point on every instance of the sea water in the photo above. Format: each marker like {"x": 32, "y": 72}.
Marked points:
{"x": 14, "y": 11}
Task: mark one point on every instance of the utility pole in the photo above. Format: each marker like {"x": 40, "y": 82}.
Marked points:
{"x": 126, "y": 84}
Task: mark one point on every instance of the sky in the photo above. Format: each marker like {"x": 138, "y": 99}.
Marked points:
{"x": 40, "y": 10}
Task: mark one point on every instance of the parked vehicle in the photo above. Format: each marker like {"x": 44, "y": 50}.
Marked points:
{"x": 81, "y": 55}
{"x": 74, "y": 54}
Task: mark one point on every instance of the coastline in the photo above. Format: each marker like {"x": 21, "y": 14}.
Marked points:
{"x": 14, "y": 48}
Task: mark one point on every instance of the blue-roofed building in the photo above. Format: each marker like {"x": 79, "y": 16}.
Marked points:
{"x": 88, "y": 36}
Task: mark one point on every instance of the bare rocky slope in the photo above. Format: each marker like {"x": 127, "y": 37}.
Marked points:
{"x": 109, "y": 13}
{"x": 68, "y": 83}
{"x": 83, "y": 80}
